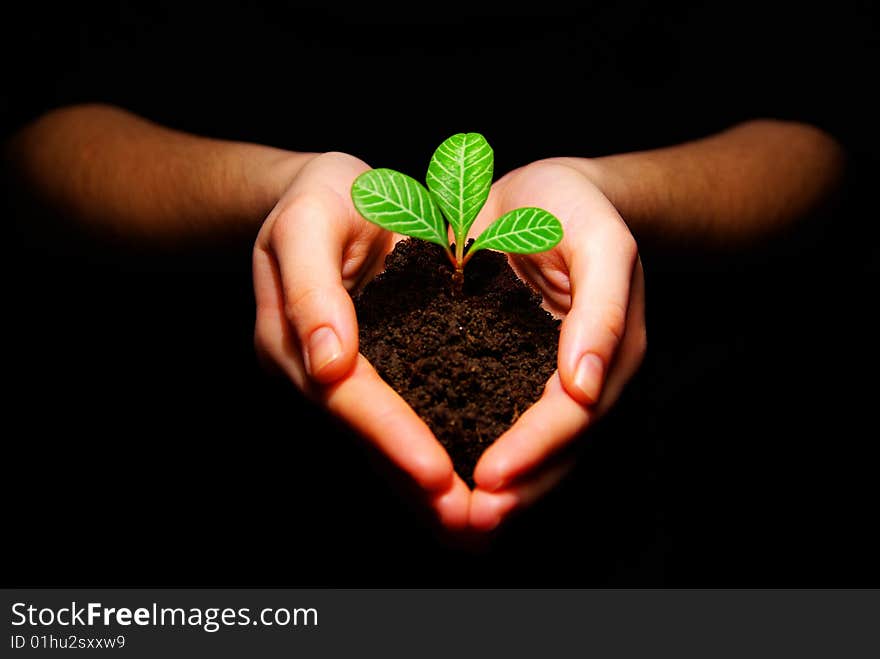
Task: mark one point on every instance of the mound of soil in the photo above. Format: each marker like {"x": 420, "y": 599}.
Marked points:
{"x": 469, "y": 362}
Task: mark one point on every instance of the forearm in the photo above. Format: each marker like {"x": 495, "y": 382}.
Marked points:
{"x": 117, "y": 174}
{"x": 745, "y": 182}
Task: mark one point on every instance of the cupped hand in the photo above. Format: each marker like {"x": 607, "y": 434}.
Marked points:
{"x": 313, "y": 249}
{"x": 594, "y": 281}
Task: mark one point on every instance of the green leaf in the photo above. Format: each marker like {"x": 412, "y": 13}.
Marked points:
{"x": 521, "y": 231}
{"x": 459, "y": 177}
{"x": 399, "y": 203}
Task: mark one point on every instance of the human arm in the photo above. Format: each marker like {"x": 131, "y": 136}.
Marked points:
{"x": 731, "y": 188}
{"x": 115, "y": 174}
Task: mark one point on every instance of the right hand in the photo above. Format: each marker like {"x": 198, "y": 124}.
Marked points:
{"x": 312, "y": 249}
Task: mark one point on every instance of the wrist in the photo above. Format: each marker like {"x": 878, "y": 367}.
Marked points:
{"x": 540, "y": 173}
{"x": 244, "y": 184}
{"x": 632, "y": 182}
{"x": 268, "y": 172}
{"x": 598, "y": 171}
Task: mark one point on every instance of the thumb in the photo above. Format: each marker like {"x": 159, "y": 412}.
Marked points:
{"x": 307, "y": 241}
{"x": 601, "y": 277}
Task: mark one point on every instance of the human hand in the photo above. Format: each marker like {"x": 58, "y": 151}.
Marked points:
{"x": 593, "y": 280}
{"x": 313, "y": 249}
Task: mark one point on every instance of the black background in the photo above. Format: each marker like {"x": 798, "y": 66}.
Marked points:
{"x": 143, "y": 446}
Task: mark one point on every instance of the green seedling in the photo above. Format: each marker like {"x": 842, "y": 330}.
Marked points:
{"x": 459, "y": 179}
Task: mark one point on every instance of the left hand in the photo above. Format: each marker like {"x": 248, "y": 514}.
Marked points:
{"x": 593, "y": 280}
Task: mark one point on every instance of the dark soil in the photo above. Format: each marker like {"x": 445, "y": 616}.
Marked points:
{"x": 468, "y": 362}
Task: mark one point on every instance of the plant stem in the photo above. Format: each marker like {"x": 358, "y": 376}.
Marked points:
{"x": 457, "y": 281}
{"x": 455, "y": 263}
{"x": 458, "y": 264}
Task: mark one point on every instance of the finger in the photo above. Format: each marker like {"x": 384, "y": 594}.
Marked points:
{"x": 378, "y": 413}
{"x": 591, "y": 332}
{"x": 547, "y": 278}
{"x": 489, "y": 509}
{"x": 365, "y": 402}
{"x": 555, "y": 419}
{"x": 543, "y": 429}
{"x": 633, "y": 347}
{"x": 307, "y": 241}
{"x": 272, "y": 340}
{"x": 453, "y": 505}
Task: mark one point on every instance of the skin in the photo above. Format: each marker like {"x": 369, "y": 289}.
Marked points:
{"x": 114, "y": 173}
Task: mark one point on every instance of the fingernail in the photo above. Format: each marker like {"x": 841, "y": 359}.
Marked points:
{"x": 493, "y": 524}
{"x": 324, "y": 348}
{"x": 497, "y": 484}
{"x": 485, "y": 515}
{"x": 491, "y": 484}
{"x": 492, "y": 475}
{"x": 588, "y": 376}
